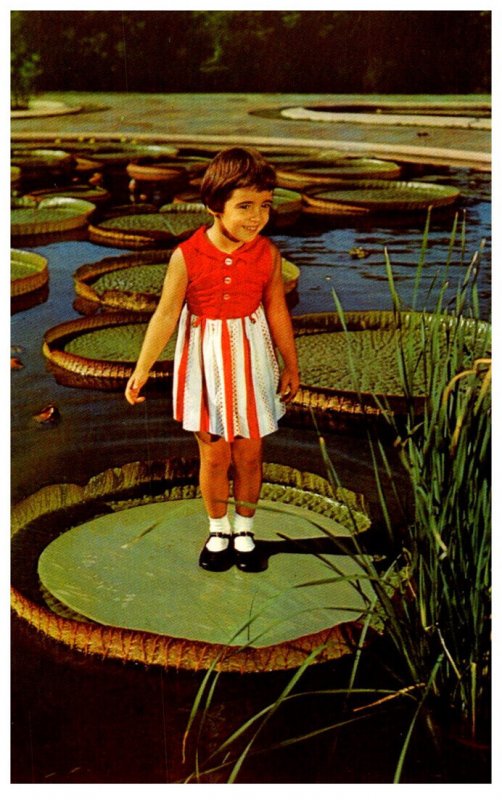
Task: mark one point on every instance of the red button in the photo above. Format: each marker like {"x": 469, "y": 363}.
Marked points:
{"x": 228, "y": 279}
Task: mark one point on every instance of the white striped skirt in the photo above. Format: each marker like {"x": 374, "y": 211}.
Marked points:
{"x": 226, "y": 376}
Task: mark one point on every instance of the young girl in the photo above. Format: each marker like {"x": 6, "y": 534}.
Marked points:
{"x": 225, "y": 281}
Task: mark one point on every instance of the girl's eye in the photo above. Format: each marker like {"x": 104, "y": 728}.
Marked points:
{"x": 248, "y": 206}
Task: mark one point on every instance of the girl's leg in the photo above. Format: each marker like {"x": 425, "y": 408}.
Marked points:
{"x": 213, "y": 476}
{"x": 247, "y": 460}
{"x": 214, "y": 485}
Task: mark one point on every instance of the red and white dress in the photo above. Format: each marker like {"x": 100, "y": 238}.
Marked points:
{"x": 226, "y": 373}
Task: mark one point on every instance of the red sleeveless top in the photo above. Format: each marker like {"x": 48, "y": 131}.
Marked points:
{"x": 225, "y": 285}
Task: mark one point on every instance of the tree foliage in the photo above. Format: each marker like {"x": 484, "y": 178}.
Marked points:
{"x": 258, "y": 51}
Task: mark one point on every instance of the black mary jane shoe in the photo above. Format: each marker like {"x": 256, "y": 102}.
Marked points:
{"x": 250, "y": 560}
{"x": 218, "y": 561}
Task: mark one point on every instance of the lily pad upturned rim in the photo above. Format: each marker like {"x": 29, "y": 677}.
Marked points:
{"x": 41, "y": 159}
{"x": 92, "y": 194}
{"x": 329, "y": 403}
{"x": 135, "y": 480}
{"x": 32, "y": 282}
{"x": 157, "y": 170}
{"x": 395, "y": 196}
{"x": 137, "y": 234}
{"x": 80, "y": 210}
{"x": 318, "y": 173}
{"x": 115, "y": 153}
{"x": 86, "y": 274}
{"x": 77, "y": 371}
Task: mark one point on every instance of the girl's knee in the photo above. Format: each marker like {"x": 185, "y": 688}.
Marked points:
{"x": 247, "y": 457}
{"x": 214, "y": 453}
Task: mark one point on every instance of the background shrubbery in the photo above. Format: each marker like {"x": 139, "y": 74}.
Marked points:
{"x": 337, "y": 52}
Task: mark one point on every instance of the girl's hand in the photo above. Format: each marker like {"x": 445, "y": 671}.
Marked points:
{"x": 289, "y": 384}
{"x": 134, "y": 387}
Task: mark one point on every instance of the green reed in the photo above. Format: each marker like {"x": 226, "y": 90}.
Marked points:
{"x": 433, "y": 602}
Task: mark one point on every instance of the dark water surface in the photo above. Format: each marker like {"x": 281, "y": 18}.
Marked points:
{"x": 82, "y": 720}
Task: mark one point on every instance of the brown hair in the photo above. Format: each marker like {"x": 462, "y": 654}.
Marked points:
{"x": 235, "y": 168}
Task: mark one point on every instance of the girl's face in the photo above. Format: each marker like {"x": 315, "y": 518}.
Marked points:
{"x": 245, "y": 214}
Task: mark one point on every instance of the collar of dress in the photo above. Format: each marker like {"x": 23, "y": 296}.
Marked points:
{"x": 204, "y": 245}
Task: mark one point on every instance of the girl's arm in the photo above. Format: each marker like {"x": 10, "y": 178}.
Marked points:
{"x": 161, "y": 326}
{"x": 281, "y": 329}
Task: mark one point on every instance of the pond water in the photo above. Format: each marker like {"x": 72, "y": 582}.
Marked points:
{"x": 93, "y": 722}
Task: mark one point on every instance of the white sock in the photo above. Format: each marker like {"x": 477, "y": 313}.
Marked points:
{"x": 216, "y": 543}
{"x": 244, "y": 542}
{"x": 243, "y": 528}
{"x": 218, "y": 525}
{"x": 243, "y": 524}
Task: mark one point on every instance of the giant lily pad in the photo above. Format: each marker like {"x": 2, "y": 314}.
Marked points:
{"x": 374, "y": 196}
{"x": 92, "y": 194}
{"x": 173, "y": 223}
{"x": 100, "y": 352}
{"x": 29, "y": 278}
{"x": 119, "y": 154}
{"x": 36, "y": 163}
{"x": 353, "y": 366}
{"x": 28, "y": 271}
{"x": 158, "y": 171}
{"x": 124, "y": 584}
{"x": 316, "y": 173}
{"x": 52, "y": 214}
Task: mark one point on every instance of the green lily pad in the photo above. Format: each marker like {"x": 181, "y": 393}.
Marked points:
{"x": 22, "y": 266}
{"x": 50, "y": 215}
{"x": 165, "y": 225}
{"x": 138, "y": 569}
{"x": 339, "y": 169}
{"x": 144, "y": 278}
{"x": 114, "y": 343}
{"x": 28, "y": 272}
{"x": 368, "y": 360}
{"x": 127, "y": 561}
{"x": 385, "y": 195}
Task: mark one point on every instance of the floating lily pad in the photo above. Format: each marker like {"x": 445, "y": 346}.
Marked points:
{"x": 50, "y": 215}
{"x": 138, "y": 569}
{"x": 158, "y": 171}
{"x": 300, "y": 176}
{"x": 100, "y": 352}
{"x": 373, "y": 196}
{"x": 120, "y": 154}
{"x": 114, "y": 343}
{"x": 123, "y": 584}
{"x": 173, "y": 223}
{"x": 28, "y": 272}
{"x": 92, "y": 194}
{"x": 356, "y": 370}
{"x": 145, "y": 279}
{"x": 37, "y": 161}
